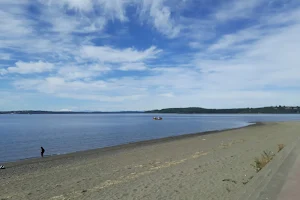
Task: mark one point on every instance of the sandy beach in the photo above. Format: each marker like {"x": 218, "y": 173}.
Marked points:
{"x": 201, "y": 167}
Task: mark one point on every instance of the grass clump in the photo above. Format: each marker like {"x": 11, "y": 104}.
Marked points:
{"x": 280, "y": 147}
{"x": 261, "y": 162}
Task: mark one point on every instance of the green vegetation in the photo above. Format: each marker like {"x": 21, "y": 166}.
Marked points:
{"x": 261, "y": 162}
{"x": 197, "y": 110}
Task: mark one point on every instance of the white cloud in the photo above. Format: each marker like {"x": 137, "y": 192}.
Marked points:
{"x": 269, "y": 62}
{"x": 55, "y": 33}
{"x": 114, "y": 9}
{"x": 74, "y": 73}
{"x": 133, "y": 66}
{"x": 82, "y": 72}
{"x": 160, "y": 13}
{"x": 83, "y": 90}
{"x": 30, "y": 67}
{"x": 97, "y": 25}
{"x": 167, "y": 95}
{"x": 238, "y": 9}
{"x": 160, "y": 17}
{"x": 3, "y": 72}
{"x": 5, "y": 56}
{"x": 19, "y": 33}
{"x": 237, "y": 39}
{"x": 57, "y": 85}
{"x": 81, "y": 5}
{"x": 195, "y": 45}
{"x": 102, "y": 98}
{"x": 111, "y": 55}
{"x": 64, "y": 25}
{"x": 12, "y": 25}
{"x": 283, "y": 18}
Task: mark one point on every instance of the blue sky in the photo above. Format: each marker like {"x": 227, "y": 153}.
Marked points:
{"x": 113, "y": 55}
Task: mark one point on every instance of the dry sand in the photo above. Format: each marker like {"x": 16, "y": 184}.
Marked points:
{"x": 189, "y": 167}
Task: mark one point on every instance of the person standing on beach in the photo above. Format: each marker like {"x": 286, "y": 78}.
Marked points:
{"x": 42, "y": 151}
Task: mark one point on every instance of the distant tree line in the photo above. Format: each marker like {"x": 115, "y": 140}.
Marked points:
{"x": 198, "y": 110}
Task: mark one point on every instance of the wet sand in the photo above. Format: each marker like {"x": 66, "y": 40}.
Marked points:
{"x": 211, "y": 166}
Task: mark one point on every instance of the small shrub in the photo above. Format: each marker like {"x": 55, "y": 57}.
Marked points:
{"x": 261, "y": 162}
{"x": 280, "y": 147}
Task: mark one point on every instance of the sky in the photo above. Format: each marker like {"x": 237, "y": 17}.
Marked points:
{"x": 116, "y": 55}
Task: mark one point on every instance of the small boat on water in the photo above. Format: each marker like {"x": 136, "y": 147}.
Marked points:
{"x": 157, "y": 118}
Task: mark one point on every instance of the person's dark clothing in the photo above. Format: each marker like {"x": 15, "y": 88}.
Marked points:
{"x": 42, "y": 151}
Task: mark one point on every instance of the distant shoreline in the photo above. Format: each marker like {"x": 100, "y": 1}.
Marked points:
{"x": 78, "y": 113}
{"x": 58, "y": 112}
{"x": 261, "y": 110}
{"x": 188, "y": 110}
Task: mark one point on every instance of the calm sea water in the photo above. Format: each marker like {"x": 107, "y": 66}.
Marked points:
{"x": 22, "y": 135}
